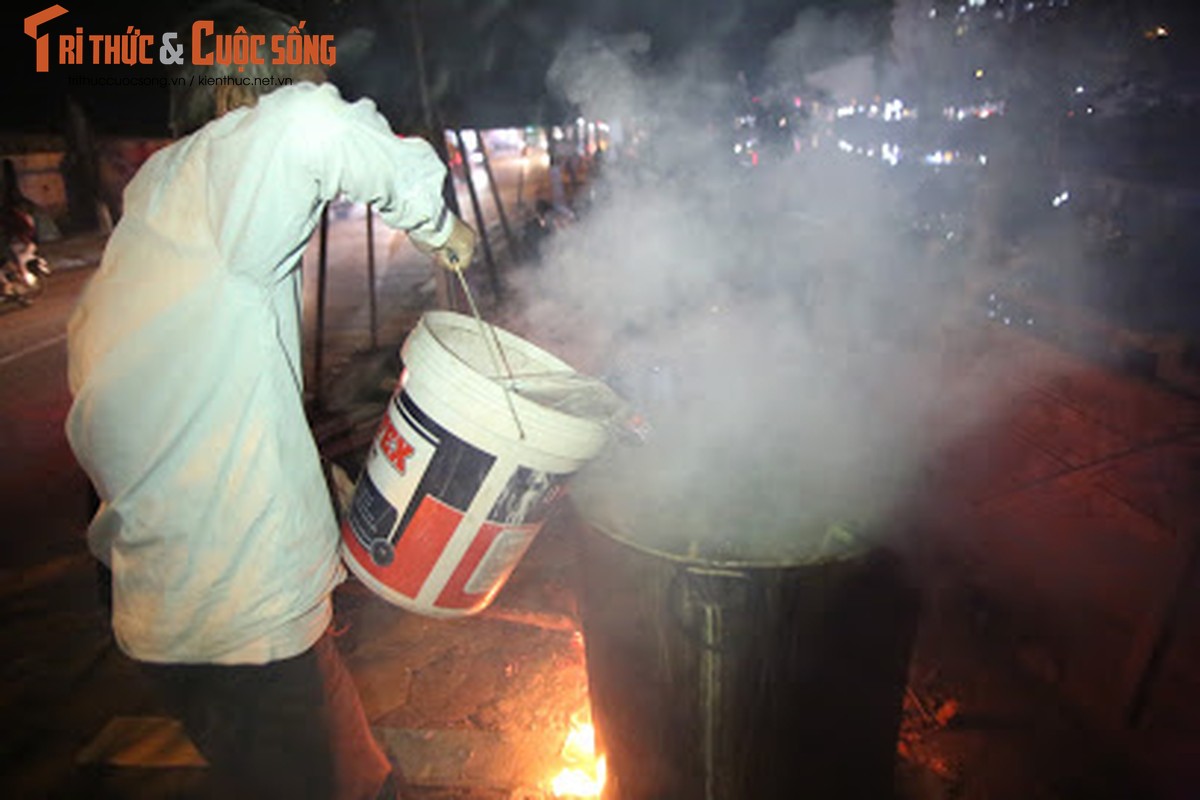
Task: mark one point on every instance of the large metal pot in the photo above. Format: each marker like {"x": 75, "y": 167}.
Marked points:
{"x": 743, "y": 680}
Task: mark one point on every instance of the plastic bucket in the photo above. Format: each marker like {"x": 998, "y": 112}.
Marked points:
{"x": 466, "y": 465}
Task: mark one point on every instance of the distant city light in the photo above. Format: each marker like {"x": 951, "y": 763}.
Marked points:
{"x": 891, "y": 154}
{"x": 1079, "y": 90}
{"x": 978, "y": 74}
{"x": 982, "y": 111}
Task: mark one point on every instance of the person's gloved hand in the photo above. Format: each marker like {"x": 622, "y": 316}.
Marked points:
{"x": 458, "y": 250}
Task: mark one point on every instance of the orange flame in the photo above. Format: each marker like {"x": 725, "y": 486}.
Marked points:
{"x": 584, "y": 775}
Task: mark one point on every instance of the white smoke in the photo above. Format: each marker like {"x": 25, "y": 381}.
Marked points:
{"x": 790, "y": 344}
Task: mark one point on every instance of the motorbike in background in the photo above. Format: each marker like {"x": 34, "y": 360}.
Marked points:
{"x": 23, "y": 275}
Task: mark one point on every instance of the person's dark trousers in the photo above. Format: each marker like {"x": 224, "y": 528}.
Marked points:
{"x": 290, "y": 729}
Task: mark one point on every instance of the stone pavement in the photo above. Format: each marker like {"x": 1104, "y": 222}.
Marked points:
{"x": 476, "y": 708}
{"x": 1065, "y": 531}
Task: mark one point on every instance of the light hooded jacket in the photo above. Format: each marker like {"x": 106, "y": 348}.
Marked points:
{"x": 184, "y": 366}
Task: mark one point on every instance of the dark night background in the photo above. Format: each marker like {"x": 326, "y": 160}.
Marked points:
{"x": 487, "y": 62}
{"x": 494, "y": 55}
{"x": 487, "y": 59}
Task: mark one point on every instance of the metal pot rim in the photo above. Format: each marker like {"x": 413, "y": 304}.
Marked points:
{"x": 718, "y": 563}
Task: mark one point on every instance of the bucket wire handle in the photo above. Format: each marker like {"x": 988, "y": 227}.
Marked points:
{"x": 499, "y": 361}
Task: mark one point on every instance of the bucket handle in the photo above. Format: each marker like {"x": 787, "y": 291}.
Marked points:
{"x": 499, "y": 361}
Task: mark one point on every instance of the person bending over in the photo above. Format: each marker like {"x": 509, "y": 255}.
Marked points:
{"x": 187, "y": 415}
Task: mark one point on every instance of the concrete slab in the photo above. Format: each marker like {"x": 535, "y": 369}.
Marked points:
{"x": 1075, "y": 509}
{"x": 514, "y": 763}
{"x": 482, "y": 702}
{"x": 142, "y": 742}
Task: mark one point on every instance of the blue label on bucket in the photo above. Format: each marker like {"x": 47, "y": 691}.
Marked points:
{"x": 371, "y": 516}
{"x": 447, "y": 469}
{"x": 527, "y": 497}
{"x": 418, "y": 420}
{"x": 455, "y": 472}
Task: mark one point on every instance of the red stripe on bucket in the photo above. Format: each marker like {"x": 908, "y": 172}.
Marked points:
{"x": 455, "y": 595}
{"x": 417, "y": 549}
{"x": 422, "y": 544}
{"x": 494, "y": 573}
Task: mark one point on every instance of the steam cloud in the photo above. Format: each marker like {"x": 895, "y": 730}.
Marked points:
{"x": 782, "y": 331}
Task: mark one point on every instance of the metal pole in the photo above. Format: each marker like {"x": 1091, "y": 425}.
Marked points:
{"x": 371, "y": 275}
{"x": 521, "y": 181}
{"x": 480, "y": 223}
{"x": 441, "y": 282}
{"x": 419, "y": 55}
{"x": 322, "y": 269}
{"x": 513, "y": 244}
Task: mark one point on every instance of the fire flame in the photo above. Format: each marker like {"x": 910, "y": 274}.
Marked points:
{"x": 584, "y": 774}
